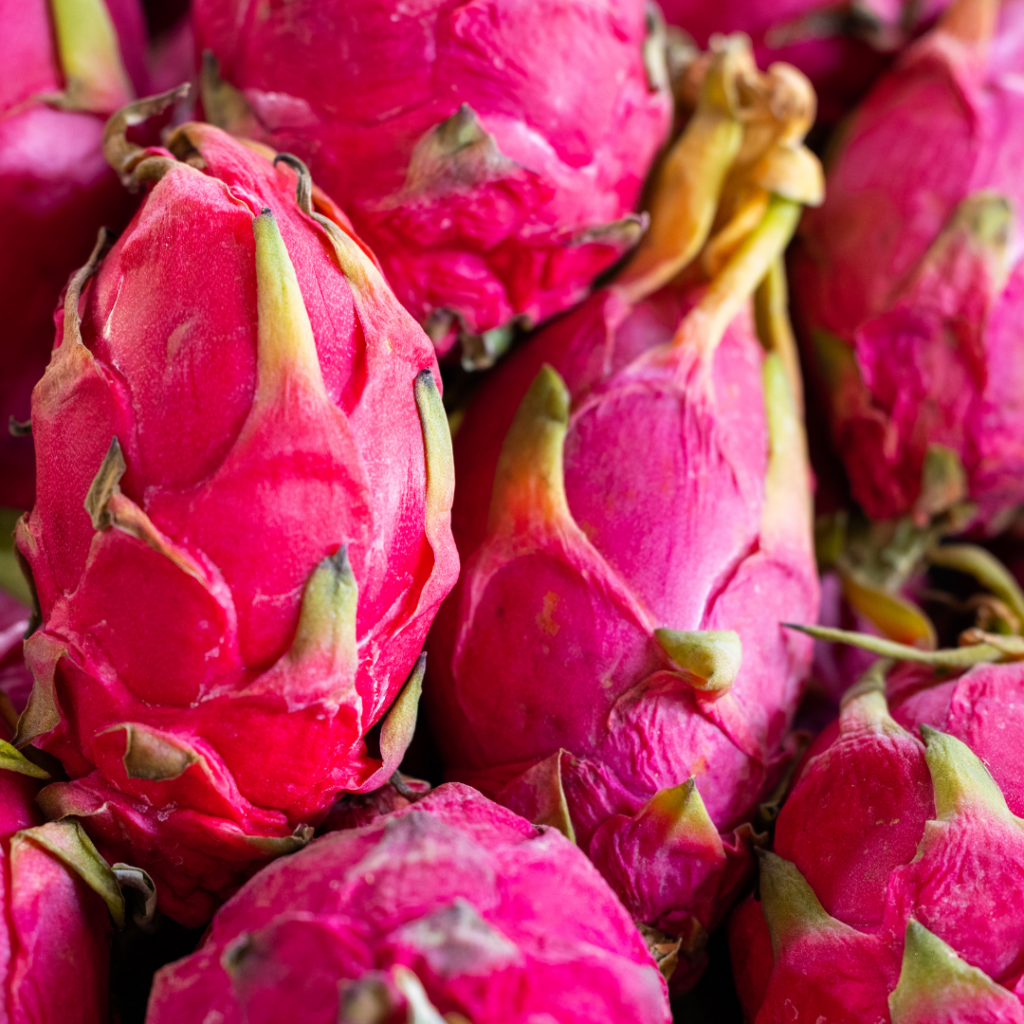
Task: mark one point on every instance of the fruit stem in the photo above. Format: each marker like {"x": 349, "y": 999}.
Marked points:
{"x": 771, "y": 312}
{"x": 970, "y": 21}
{"x": 690, "y": 179}
{"x": 705, "y": 325}
{"x": 952, "y": 657}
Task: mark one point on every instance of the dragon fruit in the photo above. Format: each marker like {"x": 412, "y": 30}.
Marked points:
{"x": 452, "y": 906}
{"x": 490, "y": 151}
{"x": 241, "y": 530}
{"x": 56, "y": 894}
{"x": 842, "y": 47}
{"x": 898, "y": 871}
{"x": 15, "y": 679}
{"x": 63, "y": 75}
{"x": 909, "y": 283}
{"x": 611, "y": 660}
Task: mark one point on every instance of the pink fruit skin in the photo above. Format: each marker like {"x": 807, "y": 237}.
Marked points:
{"x": 750, "y": 954}
{"x": 538, "y": 650}
{"x": 15, "y": 678}
{"x": 501, "y": 921}
{"x": 841, "y": 65}
{"x": 56, "y": 191}
{"x": 856, "y": 840}
{"x": 983, "y": 707}
{"x": 352, "y": 86}
{"x": 52, "y": 922}
{"x": 927, "y": 324}
{"x": 244, "y": 500}
{"x": 757, "y": 17}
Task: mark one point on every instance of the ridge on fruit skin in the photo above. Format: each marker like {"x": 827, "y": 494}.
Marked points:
{"x": 633, "y": 513}
{"x": 496, "y": 163}
{"x": 448, "y": 909}
{"x": 895, "y": 888}
{"x": 241, "y": 529}
{"x": 59, "y": 897}
{"x": 67, "y": 66}
{"x": 908, "y": 282}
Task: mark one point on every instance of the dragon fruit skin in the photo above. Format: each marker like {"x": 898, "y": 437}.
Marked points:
{"x": 758, "y": 17}
{"x": 495, "y": 163}
{"x": 270, "y": 460}
{"x": 51, "y": 919}
{"x": 496, "y": 919}
{"x": 56, "y": 191}
{"x": 548, "y": 685}
{"x": 841, "y": 48}
{"x": 915, "y": 245}
{"x": 880, "y": 835}
{"x": 15, "y": 678}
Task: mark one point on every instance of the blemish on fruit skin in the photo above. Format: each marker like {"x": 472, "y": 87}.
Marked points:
{"x": 545, "y": 619}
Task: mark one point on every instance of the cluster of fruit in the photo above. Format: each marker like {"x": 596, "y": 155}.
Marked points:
{"x": 493, "y": 708}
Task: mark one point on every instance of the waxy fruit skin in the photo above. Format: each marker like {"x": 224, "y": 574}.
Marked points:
{"x": 892, "y": 848}
{"x": 491, "y": 152}
{"x": 52, "y": 922}
{"x": 685, "y": 507}
{"x": 241, "y": 530}
{"x": 451, "y": 905}
{"x": 15, "y": 678}
{"x": 909, "y": 284}
{"x": 56, "y": 190}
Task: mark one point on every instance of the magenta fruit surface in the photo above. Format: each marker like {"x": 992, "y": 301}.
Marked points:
{"x": 491, "y": 151}
{"x": 452, "y": 906}
{"x": 241, "y": 530}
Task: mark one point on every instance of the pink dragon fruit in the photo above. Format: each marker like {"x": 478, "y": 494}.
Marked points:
{"x": 891, "y": 850}
{"x": 909, "y": 282}
{"x": 452, "y": 909}
{"x": 241, "y": 530}
{"x": 842, "y": 47}
{"x": 491, "y": 151}
{"x": 611, "y": 660}
{"x": 15, "y": 679}
{"x": 56, "y": 894}
{"x": 64, "y": 73}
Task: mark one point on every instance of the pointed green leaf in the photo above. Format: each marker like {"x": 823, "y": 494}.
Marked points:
{"x": 94, "y": 76}
{"x": 66, "y": 840}
{"x": 529, "y": 481}
{"x": 437, "y": 447}
{"x": 327, "y": 617}
{"x": 788, "y": 902}
{"x": 400, "y": 722}
{"x": 14, "y": 760}
{"x": 959, "y": 778}
{"x": 286, "y": 350}
{"x": 937, "y": 985}
{"x": 711, "y": 658}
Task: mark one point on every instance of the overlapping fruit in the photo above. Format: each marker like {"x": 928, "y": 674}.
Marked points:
{"x": 491, "y": 152}
{"x": 281, "y": 483}
{"x": 674, "y": 726}
{"x": 908, "y": 279}
{"x": 898, "y": 871}
{"x": 651, "y": 588}
{"x": 451, "y": 906}
{"x": 66, "y": 69}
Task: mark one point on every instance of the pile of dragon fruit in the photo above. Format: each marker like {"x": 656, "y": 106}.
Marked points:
{"x": 512, "y": 512}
